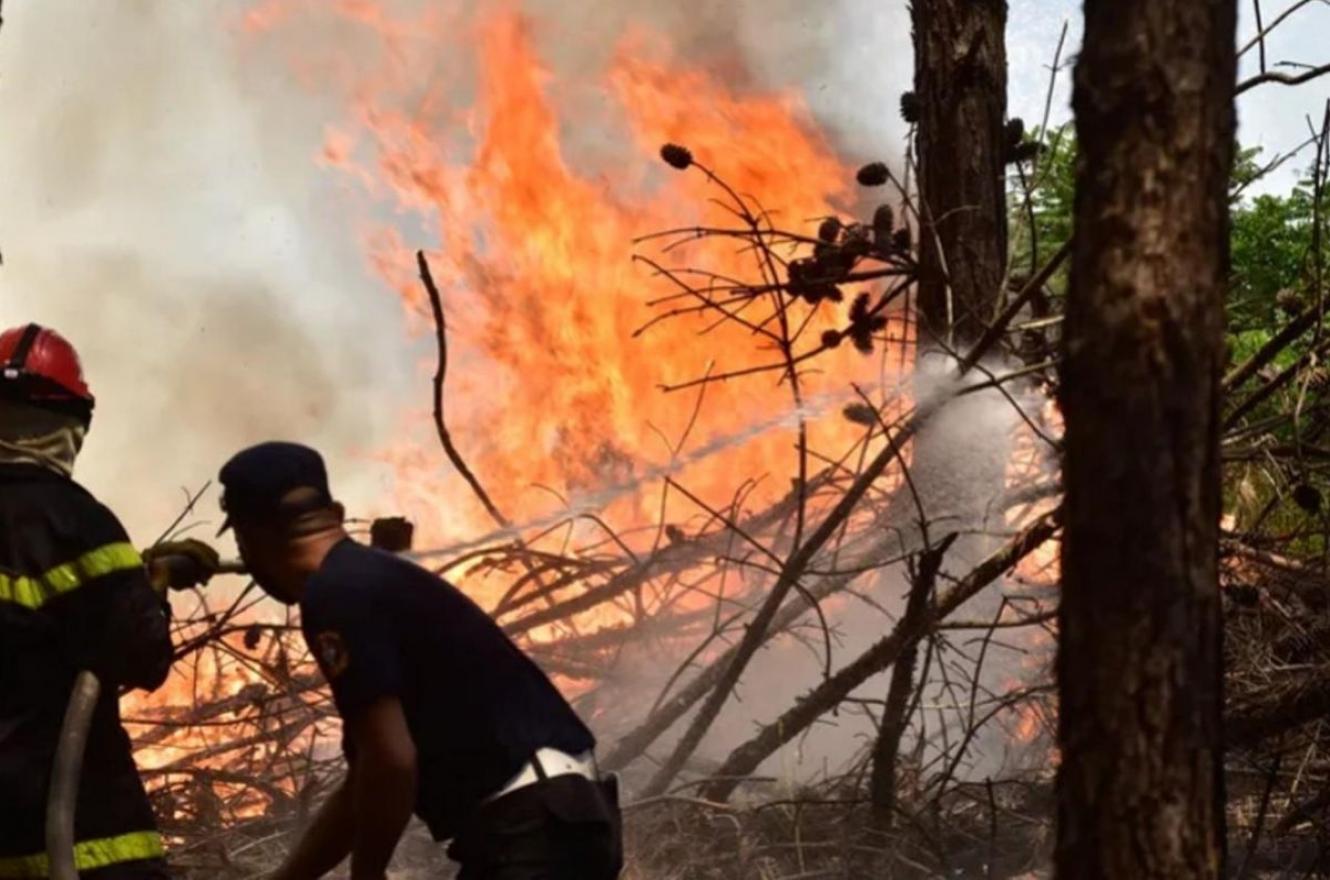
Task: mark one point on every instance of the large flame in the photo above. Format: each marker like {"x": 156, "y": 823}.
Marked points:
{"x": 530, "y": 233}
{"x": 529, "y": 213}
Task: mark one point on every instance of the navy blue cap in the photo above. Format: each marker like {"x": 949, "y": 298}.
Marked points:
{"x": 256, "y": 480}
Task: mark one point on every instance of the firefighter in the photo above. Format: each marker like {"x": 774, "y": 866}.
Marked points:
{"x": 74, "y": 595}
{"x": 443, "y": 715}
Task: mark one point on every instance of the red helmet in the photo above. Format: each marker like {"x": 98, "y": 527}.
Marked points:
{"x": 39, "y": 366}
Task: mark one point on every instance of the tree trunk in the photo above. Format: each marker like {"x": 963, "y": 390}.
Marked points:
{"x": 1140, "y": 791}
{"x": 960, "y": 81}
{"x": 957, "y": 462}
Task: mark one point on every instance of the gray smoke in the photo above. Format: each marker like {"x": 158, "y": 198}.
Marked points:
{"x": 975, "y": 432}
{"x": 161, "y": 207}
{"x": 213, "y": 301}
{"x": 849, "y": 58}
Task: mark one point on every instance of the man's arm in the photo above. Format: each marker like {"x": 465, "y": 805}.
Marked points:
{"x": 112, "y": 621}
{"x": 383, "y": 788}
{"x": 119, "y": 628}
{"x": 326, "y": 841}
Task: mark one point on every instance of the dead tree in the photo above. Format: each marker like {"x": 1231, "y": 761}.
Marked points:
{"x": 960, "y": 99}
{"x": 961, "y": 147}
{"x": 1139, "y": 788}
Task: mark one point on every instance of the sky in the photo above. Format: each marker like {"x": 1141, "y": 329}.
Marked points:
{"x": 159, "y": 202}
{"x": 1272, "y": 117}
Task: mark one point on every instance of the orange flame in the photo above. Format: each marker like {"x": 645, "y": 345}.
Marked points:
{"x": 548, "y": 385}
{"x": 530, "y": 234}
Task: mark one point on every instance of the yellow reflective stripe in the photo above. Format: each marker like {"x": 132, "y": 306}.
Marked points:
{"x": 88, "y": 854}
{"x": 91, "y": 565}
{"x": 23, "y": 591}
{"x": 35, "y": 592}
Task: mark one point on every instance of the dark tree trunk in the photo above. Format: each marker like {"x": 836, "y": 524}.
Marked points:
{"x": 1140, "y": 792}
{"x": 960, "y": 89}
{"x": 960, "y": 81}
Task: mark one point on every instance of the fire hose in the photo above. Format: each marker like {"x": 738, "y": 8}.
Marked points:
{"x": 63, "y": 795}
{"x": 66, "y": 771}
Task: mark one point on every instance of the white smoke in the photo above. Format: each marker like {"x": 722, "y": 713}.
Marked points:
{"x": 161, "y": 206}
{"x": 198, "y": 273}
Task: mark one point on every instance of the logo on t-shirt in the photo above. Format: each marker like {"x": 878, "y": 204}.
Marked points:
{"x": 332, "y": 655}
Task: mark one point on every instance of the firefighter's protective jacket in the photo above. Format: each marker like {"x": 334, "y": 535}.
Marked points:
{"x": 73, "y": 595}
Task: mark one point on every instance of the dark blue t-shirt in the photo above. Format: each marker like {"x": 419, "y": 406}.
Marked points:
{"x": 477, "y": 707}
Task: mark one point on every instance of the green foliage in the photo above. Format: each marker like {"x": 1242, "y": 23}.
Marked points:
{"x": 1272, "y": 252}
{"x": 1042, "y": 201}
{"x": 1275, "y": 271}
{"x": 1272, "y": 235}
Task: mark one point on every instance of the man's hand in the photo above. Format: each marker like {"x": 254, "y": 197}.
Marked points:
{"x": 181, "y": 565}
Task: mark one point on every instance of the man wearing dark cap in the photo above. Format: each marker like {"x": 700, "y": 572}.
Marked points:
{"x": 443, "y": 715}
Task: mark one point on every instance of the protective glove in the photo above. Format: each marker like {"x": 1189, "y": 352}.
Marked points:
{"x": 181, "y": 565}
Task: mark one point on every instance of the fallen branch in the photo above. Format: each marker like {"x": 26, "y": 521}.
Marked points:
{"x": 896, "y": 714}
{"x": 746, "y": 758}
{"x": 1287, "y": 701}
{"x": 635, "y": 742}
{"x": 793, "y": 569}
{"x": 669, "y": 558}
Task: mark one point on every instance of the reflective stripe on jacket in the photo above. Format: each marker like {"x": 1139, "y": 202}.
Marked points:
{"x": 88, "y": 855}
{"x": 73, "y": 595}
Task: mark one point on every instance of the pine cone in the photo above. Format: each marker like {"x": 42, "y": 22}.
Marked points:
{"x": 859, "y": 310}
{"x": 860, "y": 414}
{"x": 863, "y": 324}
{"x": 676, "y": 156}
{"x": 858, "y": 241}
{"x": 863, "y": 340}
{"x": 1308, "y": 497}
{"x": 829, "y": 231}
{"x": 1014, "y": 131}
{"x": 910, "y": 107}
{"x": 831, "y": 338}
{"x": 884, "y": 224}
{"x": 1023, "y": 152}
{"x": 903, "y": 241}
{"x": 807, "y": 281}
{"x": 873, "y": 174}
{"x": 836, "y": 263}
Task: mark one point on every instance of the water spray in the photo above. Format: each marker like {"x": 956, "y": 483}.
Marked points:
{"x": 599, "y": 499}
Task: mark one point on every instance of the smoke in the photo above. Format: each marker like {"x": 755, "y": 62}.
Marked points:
{"x": 213, "y": 302}
{"x": 973, "y": 433}
{"x": 161, "y": 206}
{"x": 850, "y": 59}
